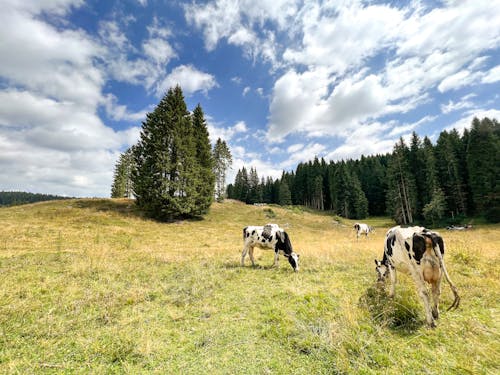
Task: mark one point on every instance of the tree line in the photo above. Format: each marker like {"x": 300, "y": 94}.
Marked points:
{"x": 416, "y": 183}
{"x": 14, "y": 198}
{"x": 172, "y": 171}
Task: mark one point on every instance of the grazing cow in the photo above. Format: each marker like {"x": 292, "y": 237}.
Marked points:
{"x": 419, "y": 252}
{"x": 270, "y": 236}
{"x": 361, "y": 228}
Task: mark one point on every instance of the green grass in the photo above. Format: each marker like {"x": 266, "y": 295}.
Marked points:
{"x": 90, "y": 286}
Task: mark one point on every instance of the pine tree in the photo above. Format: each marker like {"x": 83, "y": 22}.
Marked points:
{"x": 483, "y": 162}
{"x": 434, "y": 210}
{"x": 401, "y": 186}
{"x": 285, "y": 197}
{"x": 448, "y": 168}
{"x": 167, "y": 177}
{"x": 222, "y": 161}
{"x": 122, "y": 180}
{"x": 205, "y": 163}
{"x": 254, "y": 192}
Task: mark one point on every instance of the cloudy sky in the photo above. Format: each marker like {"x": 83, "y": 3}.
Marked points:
{"x": 280, "y": 80}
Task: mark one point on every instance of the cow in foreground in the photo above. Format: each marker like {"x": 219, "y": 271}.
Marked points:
{"x": 419, "y": 252}
{"x": 270, "y": 236}
{"x": 362, "y": 228}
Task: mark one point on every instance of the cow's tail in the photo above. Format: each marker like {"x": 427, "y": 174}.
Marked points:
{"x": 456, "y": 301}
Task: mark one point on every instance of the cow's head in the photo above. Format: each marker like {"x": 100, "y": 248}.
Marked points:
{"x": 285, "y": 245}
{"x": 356, "y": 226}
{"x": 382, "y": 270}
{"x": 293, "y": 259}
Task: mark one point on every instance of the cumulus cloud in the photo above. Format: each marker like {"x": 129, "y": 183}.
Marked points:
{"x": 225, "y": 133}
{"x": 189, "y": 78}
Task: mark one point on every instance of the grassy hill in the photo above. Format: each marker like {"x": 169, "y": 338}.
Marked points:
{"x": 90, "y": 286}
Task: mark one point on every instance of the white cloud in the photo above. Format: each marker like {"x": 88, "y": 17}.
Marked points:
{"x": 365, "y": 140}
{"x": 120, "y": 112}
{"x": 189, "y": 78}
{"x": 225, "y": 133}
{"x": 246, "y": 90}
{"x": 306, "y": 153}
{"x": 463, "y": 103}
{"x": 341, "y": 38}
{"x": 491, "y": 76}
{"x": 455, "y": 81}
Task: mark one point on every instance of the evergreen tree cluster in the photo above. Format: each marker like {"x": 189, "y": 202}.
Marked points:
{"x": 14, "y": 198}
{"x": 421, "y": 182}
{"x": 172, "y": 170}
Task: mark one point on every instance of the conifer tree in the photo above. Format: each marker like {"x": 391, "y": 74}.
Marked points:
{"x": 285, "y": 197}
{"x": 448, "y": 168}
{"x": 204, "y": 162}
{"x": 483, "y": 162}
{"x": 401, "y": 186}
{"x": 168, "y": 173}
{"x": 122, "y": 180}
{"x": 222, "y": 162}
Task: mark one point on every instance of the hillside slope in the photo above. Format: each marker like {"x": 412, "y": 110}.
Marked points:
{"x": 92, "y": 286}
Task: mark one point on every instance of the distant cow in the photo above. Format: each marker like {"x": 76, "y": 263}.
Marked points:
{"x": 270, "y": 236}
{"x": 361, "y": 228}
{"x": 419, "y": 252}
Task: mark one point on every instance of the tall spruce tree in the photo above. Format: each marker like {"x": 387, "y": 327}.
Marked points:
{"x": 285, "y": 196}
{"x": 205, "y": 163}
{"x": 483, "y": 162}
{"x": 222, "y": 162}
{"x": 168, "y": 173}
{"x": 449, "y": 171}
{"x": 401, "y": 186}
{"x": 122, "y": 180}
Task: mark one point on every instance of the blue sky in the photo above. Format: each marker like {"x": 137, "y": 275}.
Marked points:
{"x": 280, "y": 81}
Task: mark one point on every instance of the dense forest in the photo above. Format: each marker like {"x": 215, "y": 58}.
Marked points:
{"x": 13, "y": 198}
{"x": 455, "y": 178}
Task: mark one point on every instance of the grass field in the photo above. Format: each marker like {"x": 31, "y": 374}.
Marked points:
{"x": 90, "y": 286}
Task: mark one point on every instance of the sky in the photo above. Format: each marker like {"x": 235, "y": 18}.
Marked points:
{"x": 281, "y": 81}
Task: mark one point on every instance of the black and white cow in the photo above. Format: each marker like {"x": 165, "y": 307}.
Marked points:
{"x": 362, "y": 228}
{"x": 419, "y": 252}
{"x": 270, "y": 236}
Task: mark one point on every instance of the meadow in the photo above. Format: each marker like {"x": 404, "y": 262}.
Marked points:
{"x": 91, "y": 286}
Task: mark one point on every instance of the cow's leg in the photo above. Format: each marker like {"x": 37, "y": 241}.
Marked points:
{"x": 436, "y": 293}
{"x": 393, "y": 279}
{"x": 276, "y": 258}
{"x": 250, "y": 253}
{"x": 244, "y": 254}
{"x": 424, "y": 295}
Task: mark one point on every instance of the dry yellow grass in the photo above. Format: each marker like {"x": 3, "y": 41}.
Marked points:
{"x": 92, "y": 286}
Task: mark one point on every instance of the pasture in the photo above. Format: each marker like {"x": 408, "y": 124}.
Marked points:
{"x": 90, "y": 286}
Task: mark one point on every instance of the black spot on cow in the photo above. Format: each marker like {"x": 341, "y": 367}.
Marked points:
{"x": 418, "y": 247}
{"x": 393, "y": 240}
{"x": 407, "y": 245}
{"x": 284, "y": 244}
{"x": 253, "y": 232}
{"x": 389, "y": 244}
{"x": 263, "y": 240}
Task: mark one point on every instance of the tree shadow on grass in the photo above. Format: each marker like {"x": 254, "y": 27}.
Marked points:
{"x": 401, "y": 314}
{"x": 127, "y": 208}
